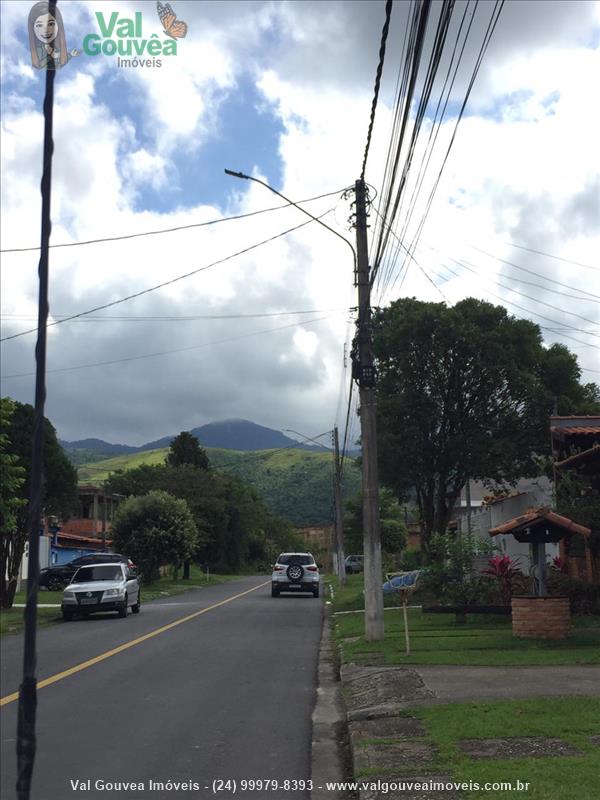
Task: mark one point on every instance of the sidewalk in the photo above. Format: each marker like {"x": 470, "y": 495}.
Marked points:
{"x": 388, "y": 744}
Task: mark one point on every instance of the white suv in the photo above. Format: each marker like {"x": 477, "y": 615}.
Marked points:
{"x": 295, "y": 572}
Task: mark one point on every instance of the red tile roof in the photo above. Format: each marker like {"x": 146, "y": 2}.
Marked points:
{"x": 537, "y": 515}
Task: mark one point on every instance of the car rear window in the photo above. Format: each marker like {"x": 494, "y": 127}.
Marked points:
{"x": 104, "y": 573}
{"x": 295, "y": 559}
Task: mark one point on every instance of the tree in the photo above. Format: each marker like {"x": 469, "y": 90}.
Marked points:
{"x": 12, "y": 476}
{"x": 59, "y": 498}
{"x": 234, "y": 528}
{"x": 186, "y": 449}
{"x": 464, "y": 393}
{"x": 391, "y": 515}
{"x": 155, "y": 529}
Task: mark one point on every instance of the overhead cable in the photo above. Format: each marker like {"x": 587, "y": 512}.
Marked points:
{"x": 384, "y": 35}
{"x": 169, "y": 282}
{"x": 177, "y": 228}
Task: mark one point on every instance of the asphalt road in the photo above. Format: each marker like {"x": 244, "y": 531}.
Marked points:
{"x": 226, "y": 695}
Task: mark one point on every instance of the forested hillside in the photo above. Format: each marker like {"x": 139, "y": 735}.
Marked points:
{"x": 294, "y": 484}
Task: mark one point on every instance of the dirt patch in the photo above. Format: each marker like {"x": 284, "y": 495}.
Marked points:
{"x": 387, "y": 758}
{"x": 386, "y": 728}
{"x": 517, "y": 747}
{"x": 595, "y": 739}
{"x": 372, "y": 692}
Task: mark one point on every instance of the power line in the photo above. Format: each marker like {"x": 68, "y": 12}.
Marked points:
{"x": 467, "y": 265}
{"x": 165, "y": 283}
{"x": 527, "y": 310}
{"x": 182, "y": 318}
{"x": 532, "y": 272}
{"x": 169, "y": 352}
{"x": 173, "y": 230}
{"x": 384, "y": 35}
{"x": 551, "y": 255}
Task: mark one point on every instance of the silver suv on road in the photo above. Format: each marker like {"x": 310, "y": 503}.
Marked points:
{"x": 295, "y": 572}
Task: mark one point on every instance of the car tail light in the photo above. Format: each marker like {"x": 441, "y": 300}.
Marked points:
{"x": 277, "y": 568}
{"x": 313, "y": 569}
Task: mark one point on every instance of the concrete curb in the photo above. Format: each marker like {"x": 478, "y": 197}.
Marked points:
{"x": 328, "y": 722}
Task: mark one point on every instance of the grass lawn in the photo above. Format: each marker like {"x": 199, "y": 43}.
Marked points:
{"x": 11, "y": 619}
{"x": 438, "y": 639}
{"x": 569, "y": 718}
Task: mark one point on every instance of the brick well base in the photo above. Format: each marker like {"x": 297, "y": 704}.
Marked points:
{"x": 541, "y": 617}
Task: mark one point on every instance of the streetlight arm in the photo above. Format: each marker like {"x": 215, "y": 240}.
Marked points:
{"x": 245, "y": 177}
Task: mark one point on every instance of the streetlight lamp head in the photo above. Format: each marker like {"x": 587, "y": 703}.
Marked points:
{"x": 237, "y": 174}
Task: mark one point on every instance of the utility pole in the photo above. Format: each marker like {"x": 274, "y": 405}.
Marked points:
{"x": 339, "y": 519}
{"x": 364, "y": 371}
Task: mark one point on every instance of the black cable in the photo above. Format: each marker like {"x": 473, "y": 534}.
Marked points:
{"x": 527, "y": 310}
{"x": 177, "y": 228}
{"x": 26, "y": 737}
{"x": 550, "y": 255}
{"x": 432, "y": 68}
{"x": 532, "y": 272}
{"x": 169, "y": 352}
{"x": 384, "y": 35}
{"x": 183, "y": 318}
{"x": 166, "y": 283}
{"x": 468, "y": 266}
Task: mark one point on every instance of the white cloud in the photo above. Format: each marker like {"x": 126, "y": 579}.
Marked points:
{"x": 524, "y": 171}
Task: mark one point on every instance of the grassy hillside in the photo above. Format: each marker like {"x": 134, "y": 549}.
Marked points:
{"x": 294, "y": 484}
{"x": 98, "y": 471}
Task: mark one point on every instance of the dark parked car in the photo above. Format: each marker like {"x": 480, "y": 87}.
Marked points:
{"x": 57, "y": 577}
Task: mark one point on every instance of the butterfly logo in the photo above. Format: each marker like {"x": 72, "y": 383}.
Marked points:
{"x": 174, "y": 27}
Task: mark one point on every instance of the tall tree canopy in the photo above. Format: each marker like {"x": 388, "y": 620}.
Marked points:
{"x": 186, "y": 449}
{"x": 464, "y": 392}
{"x": 234, "y": 528}
{"x": 60, "y": 490}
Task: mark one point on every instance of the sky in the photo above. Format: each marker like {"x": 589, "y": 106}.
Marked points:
{"x": 281, "y": 91}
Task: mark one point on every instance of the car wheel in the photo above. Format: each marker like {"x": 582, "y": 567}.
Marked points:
{"x": 315, "y": 591}
{"x": 136, "y": 607}
{"x": 123, "y": 609}
{"x": 56, "y": 585}
{"x": 67, "y": 615}
{"x": 274, "y": 591}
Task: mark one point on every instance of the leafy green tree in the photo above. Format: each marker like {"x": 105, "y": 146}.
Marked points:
{"x": 234, "y": 528}
{"x": 391, "y": 515}
{"x": 186, "y": 449}
{"x": 155, "y": 529}
{"x": 12, "y": 476}
{"x": 463, "y": 393}
{"x": 560, "y": 387}
{"x": 198, "y": 487}
{"x": 60, "y": 489}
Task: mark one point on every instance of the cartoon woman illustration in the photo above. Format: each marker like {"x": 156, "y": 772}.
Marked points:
{"x": 47, "y": 39}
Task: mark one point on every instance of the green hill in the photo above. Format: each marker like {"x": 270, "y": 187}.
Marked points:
{"x": 294, "y": 484}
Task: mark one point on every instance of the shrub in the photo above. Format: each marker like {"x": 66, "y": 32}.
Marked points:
{"x": 451, "y": 575}
{"x": 505, "y": 571}
{"x": 584, "y": 597}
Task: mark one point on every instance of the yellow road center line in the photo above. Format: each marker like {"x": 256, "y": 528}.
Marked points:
{"x": 10, "y": 698}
